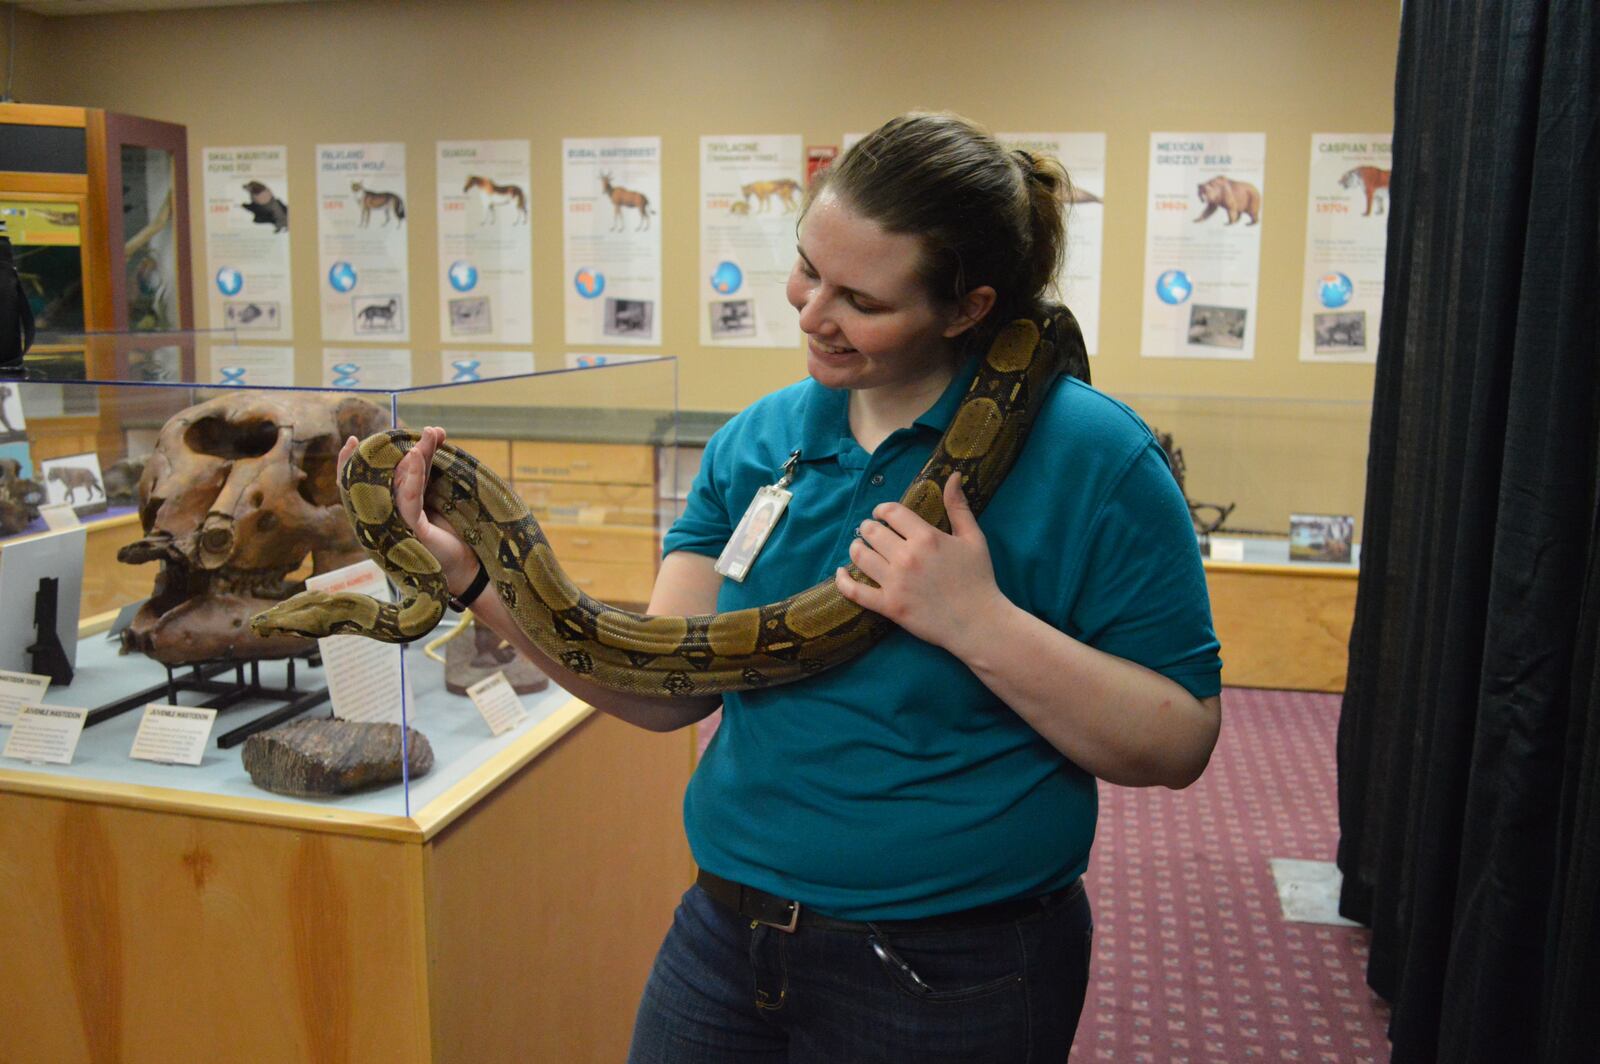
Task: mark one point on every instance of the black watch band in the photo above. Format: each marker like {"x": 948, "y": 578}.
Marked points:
{"x": 460, "y": 602}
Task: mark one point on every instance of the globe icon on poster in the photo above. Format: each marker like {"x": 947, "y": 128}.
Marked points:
{"x": 727, "y": 278}
{"x": 589, "y": 282}
{"x": 1174, "y": 286}
{"x": 229, "y": 281}
{"x": 342, "y": 276}
{"x": 1334, "y": 289}
{"x": 463, "y": 275}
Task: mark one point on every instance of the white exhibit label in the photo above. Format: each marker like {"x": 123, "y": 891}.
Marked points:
{"x": 1226, "y": 550}
{"x": 251, "y": 367}
{"x": 364, "y": 278}
{"x": 751, "y": 188}
{"x": 497, "y": 700}
{"x": 173, "y": 735}
{"x": 459, "y": 367}
{"x": 611, "y": 239}
{"x": 59, "y": 515}
{"x": 1077, "y": 279}
{"x": 366, "y": 367}
{"x": 1202, "y": 253}
{"x": 247, "y": 241}
{"x": 1347, "y": 236}
{"x": 18, "y": 689}
{"x": 47, "y": 734}
{"x": 485, "y": 246}
{"x": 363, "y": 674}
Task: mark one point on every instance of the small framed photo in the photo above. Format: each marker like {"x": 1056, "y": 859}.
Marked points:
{"x": 629, "y": 317}
{"x": 75, "y": 481}
{"x": 1321, "y": 537}
{"x": 732, "y": 318}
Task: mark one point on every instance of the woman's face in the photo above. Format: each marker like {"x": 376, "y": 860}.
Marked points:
{"x": 867, "y": 319}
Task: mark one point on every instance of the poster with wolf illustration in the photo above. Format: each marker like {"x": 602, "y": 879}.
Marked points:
{"x": 247, "y": 241}
{"x": 611, "y": 239}
{"x": 1202, "y": 254}
{"x": 366, "y": 367}
{"x": 1347, "y": 237}
{"x": 485, "y": 260}
{"x": 1077, "y": 278}
{"x": 362, "y": 207}
{"x": 751, "y": 188}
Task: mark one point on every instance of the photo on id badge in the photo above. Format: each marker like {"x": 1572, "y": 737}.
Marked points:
{"x": 751, "y": 533}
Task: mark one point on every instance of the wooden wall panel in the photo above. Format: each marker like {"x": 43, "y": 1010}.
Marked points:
{"x": 1282, "y": 629}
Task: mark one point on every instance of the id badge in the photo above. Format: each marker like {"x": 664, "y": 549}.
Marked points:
{"x": 751, "y": 534}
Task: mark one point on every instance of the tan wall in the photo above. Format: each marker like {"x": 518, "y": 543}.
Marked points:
{"x": 378, "y": 70}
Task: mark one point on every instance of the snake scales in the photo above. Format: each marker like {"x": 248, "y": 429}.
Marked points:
{"x": 632, "y": 652}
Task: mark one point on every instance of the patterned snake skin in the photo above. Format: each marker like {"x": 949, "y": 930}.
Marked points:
{"x": 632, "y": 652}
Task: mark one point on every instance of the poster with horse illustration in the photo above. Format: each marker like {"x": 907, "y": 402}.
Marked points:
{"x": 611, "y": 239}
{"x": 751, "y": 188}
{"x": 485, "y": 248}
{"x": 1347, "y": 239}
{"x": 247, "y": 241}
{"x": 364, "y": 277}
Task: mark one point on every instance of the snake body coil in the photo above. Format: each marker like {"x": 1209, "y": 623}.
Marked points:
{"x": 662, "y": 655}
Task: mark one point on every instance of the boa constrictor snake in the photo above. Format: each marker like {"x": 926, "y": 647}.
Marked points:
{"x": 709, "y": 654}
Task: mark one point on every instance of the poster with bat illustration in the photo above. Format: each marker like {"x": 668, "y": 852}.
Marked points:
{"x": 364, "y": 277}
{"x": 248, "y": 284}
{"x": 1347, "y": 227}
{"x": 611, "y": 239}
{"x": 1077, "y": 278}
{"x": 751, "y": 188}
{"x": 1202, "y": 254}
{"x": 485, "y": 260}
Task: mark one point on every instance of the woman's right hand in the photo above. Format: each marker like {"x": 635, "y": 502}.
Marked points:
{"x": 410, "y": 480}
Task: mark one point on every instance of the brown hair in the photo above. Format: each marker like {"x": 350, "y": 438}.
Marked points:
{"x": 985, "y": 215}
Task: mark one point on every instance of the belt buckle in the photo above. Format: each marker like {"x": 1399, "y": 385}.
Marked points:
{"x": 794, "y": 919}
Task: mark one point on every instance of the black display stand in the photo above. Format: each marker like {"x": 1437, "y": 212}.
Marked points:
{"x": 48, "y": 657}
{"x": 202, "y": 677}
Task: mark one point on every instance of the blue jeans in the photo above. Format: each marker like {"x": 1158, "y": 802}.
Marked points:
{"x": 724, "y": 992}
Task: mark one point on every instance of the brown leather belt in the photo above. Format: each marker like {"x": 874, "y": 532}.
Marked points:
{"x": 786, "y": 914}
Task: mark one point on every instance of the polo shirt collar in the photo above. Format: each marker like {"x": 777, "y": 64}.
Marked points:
{"x": 825, "y": 414}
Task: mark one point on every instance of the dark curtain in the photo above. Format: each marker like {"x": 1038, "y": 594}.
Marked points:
{"x": 1469, "y": 741}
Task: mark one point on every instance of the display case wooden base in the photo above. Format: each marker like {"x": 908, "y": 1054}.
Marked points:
{"x": 514, "y": 918}
{"x": 1285, "y": 627}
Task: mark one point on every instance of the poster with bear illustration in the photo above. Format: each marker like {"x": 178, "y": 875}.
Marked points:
{"x": 751, "y": 188}
{"x": 247, "y": 241}
{"x": 362, "y": 204}
{"x": 611, "y": 233}
{"x": 1347, "y": 239}
{"x": 485, "y": 242}
{"x": 1202, "y": 255}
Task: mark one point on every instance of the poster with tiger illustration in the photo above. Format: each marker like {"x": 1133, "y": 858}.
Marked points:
{"x": 1077, "y": 278}
{"x": 247, "y": 241}
{"x": 485, "y": 260}
{"x": 1202, "y": 253}
{"x": 751, "y": 192}
{"x": 1347, "y": 226}
{"x": 362, "y": 208}
{"x": 611, "y": 239}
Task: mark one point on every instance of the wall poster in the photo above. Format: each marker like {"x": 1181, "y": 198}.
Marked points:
{"x": 456, "y": 367}
{"x": 366, "y": 367}
{"x": 361, "y": 241}
{"x": 1202, "y": 254}
{"x": 750, "y": 194}
{"x": 485, "y": 250}
{"x": 612, "y": 239}
{"x": 257, "y": 366}
{"x": 1347, "y": 227}
{"x": 247, "y": 241}
{"x": 1078, "y": 276}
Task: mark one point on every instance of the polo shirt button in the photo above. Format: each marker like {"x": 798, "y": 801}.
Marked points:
{"x": 877, "y": 479}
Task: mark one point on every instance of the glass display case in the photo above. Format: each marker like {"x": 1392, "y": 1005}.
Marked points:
{"x": 172, "y": 504}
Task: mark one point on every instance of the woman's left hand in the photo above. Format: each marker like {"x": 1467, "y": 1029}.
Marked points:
{"x": 935, "y": 585}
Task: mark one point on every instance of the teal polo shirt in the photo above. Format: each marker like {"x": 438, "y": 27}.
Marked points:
{"x": 897, "y": 786}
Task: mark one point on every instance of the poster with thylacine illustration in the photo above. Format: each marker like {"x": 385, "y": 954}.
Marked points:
{"x": 751, "y": 189}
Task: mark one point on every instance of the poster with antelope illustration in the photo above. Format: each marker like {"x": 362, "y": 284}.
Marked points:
{"x": 1078, "y": 275}
{"x": 485, "y": 246}
{"x": 364, "y": 277}
{"x": 751, "y": 189}
{"x": 1347, "y": 227}
{"x": 248, "y": 284}
{"x": 1202, "y": 252}
{"x": 611, "y": 239}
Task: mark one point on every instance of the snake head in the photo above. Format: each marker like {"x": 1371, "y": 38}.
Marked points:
{"x": 306, "y": 614}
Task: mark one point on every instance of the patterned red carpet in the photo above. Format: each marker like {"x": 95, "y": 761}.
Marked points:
{"x": 1193, "y": 959}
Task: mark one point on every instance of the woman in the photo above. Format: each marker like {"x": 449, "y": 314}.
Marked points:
{"x": 891, "y": 849}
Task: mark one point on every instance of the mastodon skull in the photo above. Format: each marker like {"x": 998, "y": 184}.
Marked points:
{"x": 238, "y": 504}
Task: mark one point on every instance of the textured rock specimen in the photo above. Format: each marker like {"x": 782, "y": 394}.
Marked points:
{"x": 319, "y": 757}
